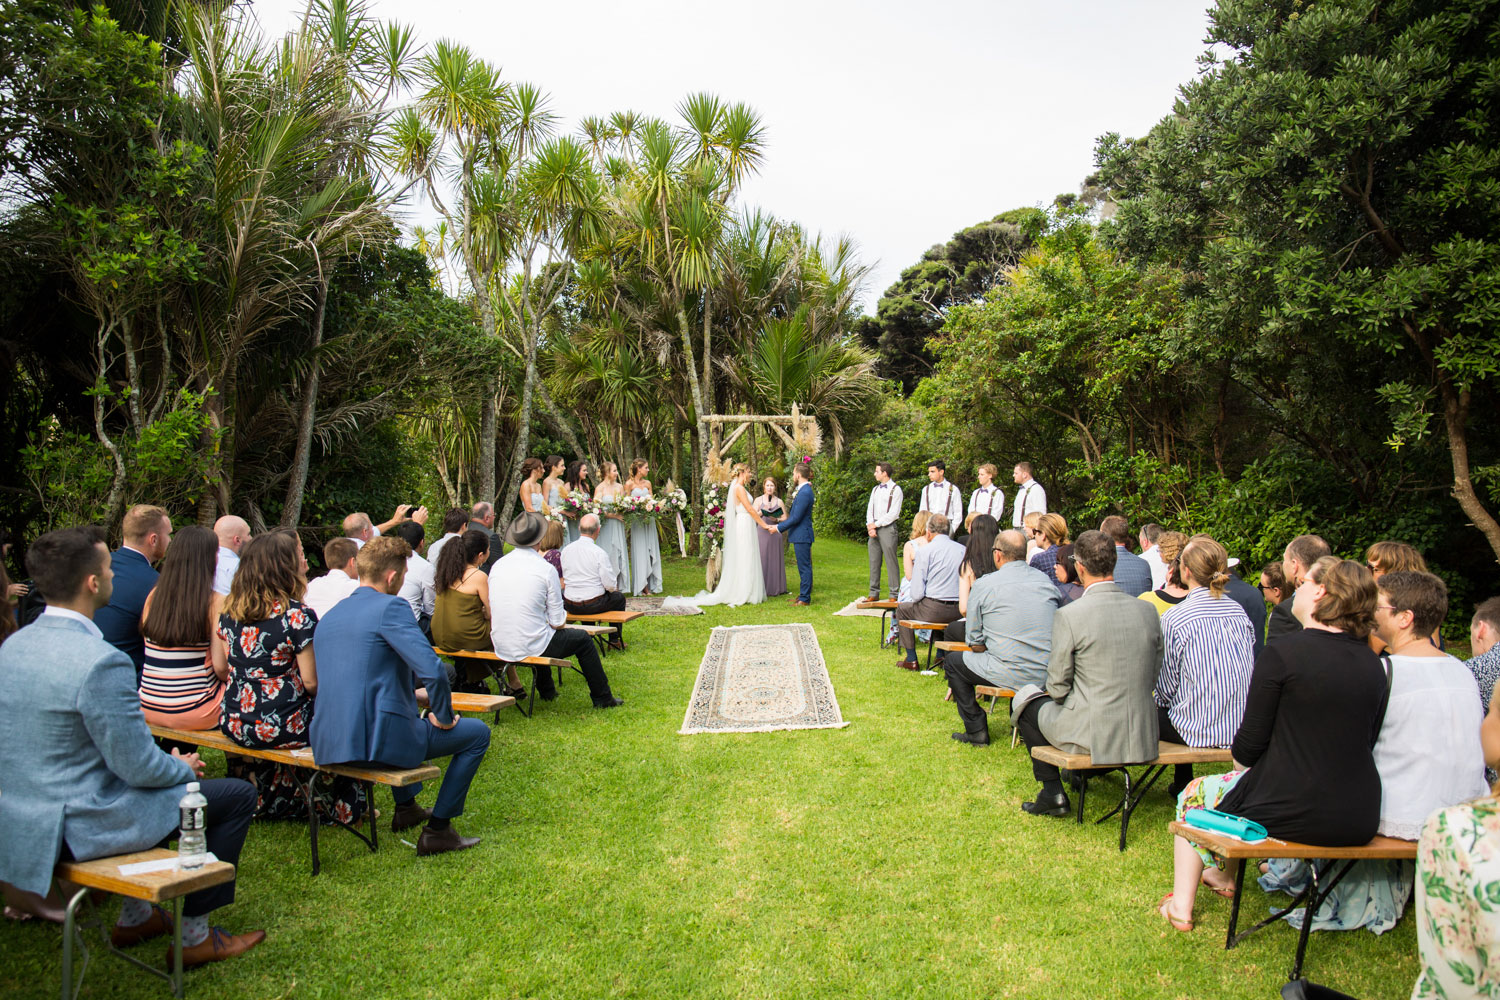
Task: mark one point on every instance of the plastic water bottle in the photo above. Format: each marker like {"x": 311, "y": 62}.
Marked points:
{"x": 192, "y": 837}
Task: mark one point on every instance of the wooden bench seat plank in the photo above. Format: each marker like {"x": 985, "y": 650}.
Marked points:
{"x": 914, "y": 624}
{"x": 987, "y": 691}
{"x": 466, "y": 701}
{"x": 1379, "y": 849}
{"x": 607, "y": 617}
{"x": 1166, "y": 753}
{"x": 395, "y": 777}
{"x": 153, "y": 887}
{"x": 485, "y": 654}
{"x": 952, "y": 647}
{"x": 868, "y": 605}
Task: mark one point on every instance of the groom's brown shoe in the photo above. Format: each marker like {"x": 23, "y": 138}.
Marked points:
{"x": 802, "y": 604}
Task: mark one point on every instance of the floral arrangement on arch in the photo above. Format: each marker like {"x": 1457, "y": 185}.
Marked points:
{"x": 712, "y": 532}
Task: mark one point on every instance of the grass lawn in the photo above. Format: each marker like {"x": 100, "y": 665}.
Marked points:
{"x": 623, "y": 860}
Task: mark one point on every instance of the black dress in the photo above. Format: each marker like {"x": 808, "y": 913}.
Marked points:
{"x": 1312, "y": 716}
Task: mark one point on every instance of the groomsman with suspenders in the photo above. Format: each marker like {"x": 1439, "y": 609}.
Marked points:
{"x": 988, "y": 498}
{"x": 881, "y": 515}
{"x": 941, "y": 497}
{"x": 1030, "y": 498}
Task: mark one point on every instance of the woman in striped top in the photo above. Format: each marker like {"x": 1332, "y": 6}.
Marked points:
{"x": 182, "y": 681}
{"x": 1208, "y": 651}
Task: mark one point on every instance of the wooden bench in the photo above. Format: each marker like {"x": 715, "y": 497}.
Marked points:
{"x": 301, "y": 760}
{"x": 472, "y": 703}
{"x": 1339, "y": 861}
{"x": 160, "y": 886}
{"x": 1167, "y": 755}
{"x": 935, "y": 628}
{"x": 496, "y": 667}
{"x": 885, "y": 608}
{"x": 994, "y": 694}
{"x": 615, "y": 620}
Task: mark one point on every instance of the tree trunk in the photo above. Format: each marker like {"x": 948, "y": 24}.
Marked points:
{"x": 291, "y": 508}
{"x": 1456, "y": 420}
{"x": 523, "y": 436}
{"x": 117, "y": 477}
{"x": 486, "y": 486}
{"x": 561, "y": 423}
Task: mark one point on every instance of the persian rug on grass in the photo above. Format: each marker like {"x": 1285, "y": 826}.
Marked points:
{"x": 651, "y": 607}
{"x": 761, "y": 678}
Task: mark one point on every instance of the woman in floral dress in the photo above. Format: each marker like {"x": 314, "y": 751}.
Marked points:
{"x": 265, "y": 633}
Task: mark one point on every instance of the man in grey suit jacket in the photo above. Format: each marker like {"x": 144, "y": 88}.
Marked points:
{"x": 81, "y": 776}
{"x": 1106, "y": 648}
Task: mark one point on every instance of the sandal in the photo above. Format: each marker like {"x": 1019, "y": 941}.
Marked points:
{"x": 517, "y": 693}
{"x": 1224, "y": 893}
{"x": 1165, "y": 909}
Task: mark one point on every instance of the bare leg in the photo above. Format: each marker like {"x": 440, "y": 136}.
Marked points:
{"x": 1216, "y": 879}
{"x": 511, "y": 677}
{"x": 21, "y": 905}
{"x": 1187, "y": 869}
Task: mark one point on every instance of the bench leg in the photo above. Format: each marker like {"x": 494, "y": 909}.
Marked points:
{"x": 312, "y": 821}
{"x": 1234, "y": 908}
{"x": 1314, "y": 904}
{"x": 178, "y": 986}
{"x": 1134, "y": 793}
{"x": 885, "y": 635}
{"x": 931, "y": 638}
{"x": 72, "y": 937}
{"x": 370, "y": 811}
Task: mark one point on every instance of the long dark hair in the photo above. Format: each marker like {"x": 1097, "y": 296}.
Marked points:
{"x": 456, "y": 556}
{"x": 185, "y": 590}
{"x": 571, "y": 477}
{"x": 977, "y": 551}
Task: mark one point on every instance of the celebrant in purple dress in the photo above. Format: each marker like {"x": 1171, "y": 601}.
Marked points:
{"x": 772, "y": 547}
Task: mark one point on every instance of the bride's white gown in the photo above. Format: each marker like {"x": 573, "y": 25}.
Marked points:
{"x": 741, "y": 581}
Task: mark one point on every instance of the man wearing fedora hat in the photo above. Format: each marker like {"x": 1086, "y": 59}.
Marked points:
{"x": 527, "y": 614}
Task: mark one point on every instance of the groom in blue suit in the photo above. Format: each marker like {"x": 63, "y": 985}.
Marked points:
{"x": 799, "y": 529}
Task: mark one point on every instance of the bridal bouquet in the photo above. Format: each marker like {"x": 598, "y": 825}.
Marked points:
{"x": 673, "y": 502}
{"x": 630, "y": 506}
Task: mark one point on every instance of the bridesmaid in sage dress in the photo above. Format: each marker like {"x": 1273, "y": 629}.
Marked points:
{"x": 645, "y": 543}
{"x": 575, "y": 480}
{"x": 772, "y": 547}
{"x": 612, "y": 526}
{"x": 552, "y": 486}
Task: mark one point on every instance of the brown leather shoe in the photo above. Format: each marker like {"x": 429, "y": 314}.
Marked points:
{"x": 803, "y": 604}
{"x": 442, "y": 841}
{"x": 219, "y": 945}
{"x": 159, "y": 923}
{"x": 908, "y": 664}
{"x": 408, "y": 815}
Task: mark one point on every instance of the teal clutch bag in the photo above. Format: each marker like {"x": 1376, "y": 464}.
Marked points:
{"x": 1222, "y": 822}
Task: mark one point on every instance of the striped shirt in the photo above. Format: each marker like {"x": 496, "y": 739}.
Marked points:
{"x": 178, "y": 681}
{"x": 1208, "y": 651}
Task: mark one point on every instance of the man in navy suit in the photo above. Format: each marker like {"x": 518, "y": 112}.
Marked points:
{"x": 368, "y": 649}
{"x": 147, "y": 531}
{"x": 798, "y": 527}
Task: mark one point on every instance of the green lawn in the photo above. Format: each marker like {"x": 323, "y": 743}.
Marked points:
{"x": 623, "y": 860}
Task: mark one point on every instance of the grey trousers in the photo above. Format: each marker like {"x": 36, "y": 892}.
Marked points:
{"x": 884, "y": 544}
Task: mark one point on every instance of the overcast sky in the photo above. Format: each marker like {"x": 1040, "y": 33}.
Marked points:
{"x": 897, "y": 123}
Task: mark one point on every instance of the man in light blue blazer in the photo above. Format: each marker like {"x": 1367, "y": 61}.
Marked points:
{"x": 147, "y": 531}
{"x": 370, "y": 654}
{"x": 80, "y": 776}
{"x": 799, "y": 529}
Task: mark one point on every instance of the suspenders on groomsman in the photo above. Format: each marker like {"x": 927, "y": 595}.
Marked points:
{"x": 945, "y": 499}
{"x": 884, "y": 511}
{"x": 987, "y": 500}
{"x": 1030, "y": 499}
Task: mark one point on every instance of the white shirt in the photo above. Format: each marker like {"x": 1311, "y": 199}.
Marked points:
{"x": 88, "y": 622}
{"x": 587, "y": 571}
{"x": 1030, "y": 499}
{"x": 224, "y": 570}
{"x": 885, "y": 504}
{"x": 526, "y": 606}
{"x": 944, "y": 498}
{"x": 419, "y": 589}
{"x": 987, "y": 500}
{"x": 1158, "y": 568}
{"x": 327, "y": 590}
{"x": 436, "y": 547}
{"x": 359, "y": 543}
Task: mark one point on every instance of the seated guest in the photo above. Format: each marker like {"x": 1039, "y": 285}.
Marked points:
{"x": 962, "y": 537}
{"x": 1396, "y": 557}
{"x": 590, "y": 581}
{"x": 147, "y": 531}
{"x": 1031, "y": 527}
{"x": 1429, "y": 754}
{"x": 551, "y": 548}
{"x": 453, "y": 526}
{"x": 371, "y": 656}
{"x": 1304, "y": 762}
{"x": 1301, "y": 552}
{"x": 933, "y": 592}
{"x": 462, "y": 619}
{"x": 81, "y": 775}
{"x": 1273, "y": 585}
{"x": 232, "y": 533}
{"x": 527, "y": 604}
{"x": 1149, "y": 535}
{"x": 482, "y": 518}
{"x": 1484, "y": 630}
{"x": 914, "y": 544}
{"x": 1052, "y": 531}
{"x": 1171, "y": 593}
{"x": 1009, "y": 634}
{"x": 181, "y": 684}
{"x": 978, "y": 561}
{"x": 1105, "y": 648}
{"x": 1132, "y": 573}
{"x": 1248, "y": 598}
{"x": 418, "y": 589}
{"x": 359, "y": 527}
{"x": 265, "y": 636}
{"x": 339, "y": 582}
{"x": 1458, "y": 868}
{"x": 1066, "y": 574}
{"x": 1208, "y": 650}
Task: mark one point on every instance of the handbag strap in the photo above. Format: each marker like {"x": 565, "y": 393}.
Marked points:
{"x": 1385, "y": 661}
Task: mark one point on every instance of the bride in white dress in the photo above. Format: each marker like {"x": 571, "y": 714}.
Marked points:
{"x": 741, "y": 581}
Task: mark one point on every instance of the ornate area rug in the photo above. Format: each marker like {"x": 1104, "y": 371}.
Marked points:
{"x": 761, "y": 678}
{"x": 653, "y": 609}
